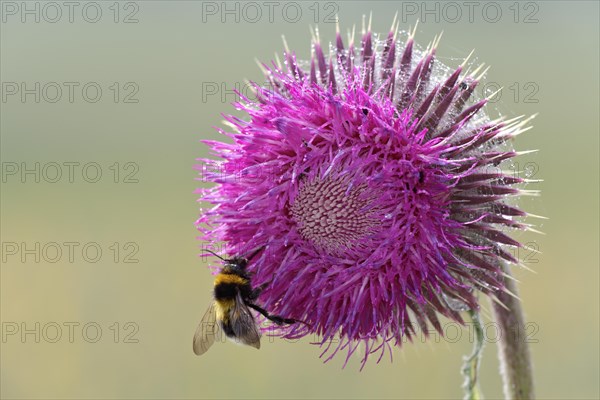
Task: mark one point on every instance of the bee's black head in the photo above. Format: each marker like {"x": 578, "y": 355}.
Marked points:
{"x": 237, "y": 263}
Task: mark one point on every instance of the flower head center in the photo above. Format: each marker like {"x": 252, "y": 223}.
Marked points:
{"x": 333, "y": 214}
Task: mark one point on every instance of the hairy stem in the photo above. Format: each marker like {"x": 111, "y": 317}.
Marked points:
{"x": 513, "y": 350}
{"x": 470, "y": 367}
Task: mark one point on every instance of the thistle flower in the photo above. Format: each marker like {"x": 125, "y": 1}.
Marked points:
{"x": 372, "y": 181}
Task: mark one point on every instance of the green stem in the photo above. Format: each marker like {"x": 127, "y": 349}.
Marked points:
{"x": 513, "y": 350}
{"x": 471, "y": 363}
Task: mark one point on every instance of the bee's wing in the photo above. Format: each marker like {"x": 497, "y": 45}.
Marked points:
{"x": 244, "y": 325}
{"x": 207, "y": 331}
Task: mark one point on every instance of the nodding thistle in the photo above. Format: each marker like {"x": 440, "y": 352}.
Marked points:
{"x": 373, "y": 181}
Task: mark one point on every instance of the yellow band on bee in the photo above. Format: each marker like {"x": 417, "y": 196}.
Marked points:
{"x": 230, "y": 278}
{"x": 223, "y": 309}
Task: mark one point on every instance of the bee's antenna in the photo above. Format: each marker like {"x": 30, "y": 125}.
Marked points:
{"x": 215, "y": 254}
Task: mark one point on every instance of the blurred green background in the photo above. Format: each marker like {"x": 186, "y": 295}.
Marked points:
{"x": 544, "y": 54}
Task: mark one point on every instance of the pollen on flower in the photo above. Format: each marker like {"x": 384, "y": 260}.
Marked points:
{"x": 333, "y": 215}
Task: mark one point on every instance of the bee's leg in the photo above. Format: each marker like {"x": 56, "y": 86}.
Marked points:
{"x": 275, "y": 318}
{"x": 257, "y": 291}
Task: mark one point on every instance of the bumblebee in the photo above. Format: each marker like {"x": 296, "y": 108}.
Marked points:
{"x": 230, "y": 312}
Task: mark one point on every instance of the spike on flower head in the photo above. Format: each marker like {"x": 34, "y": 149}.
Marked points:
{"x": 372, "y": 180}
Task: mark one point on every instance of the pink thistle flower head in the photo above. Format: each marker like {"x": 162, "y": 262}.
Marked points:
{"x": 372, "y": 181}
